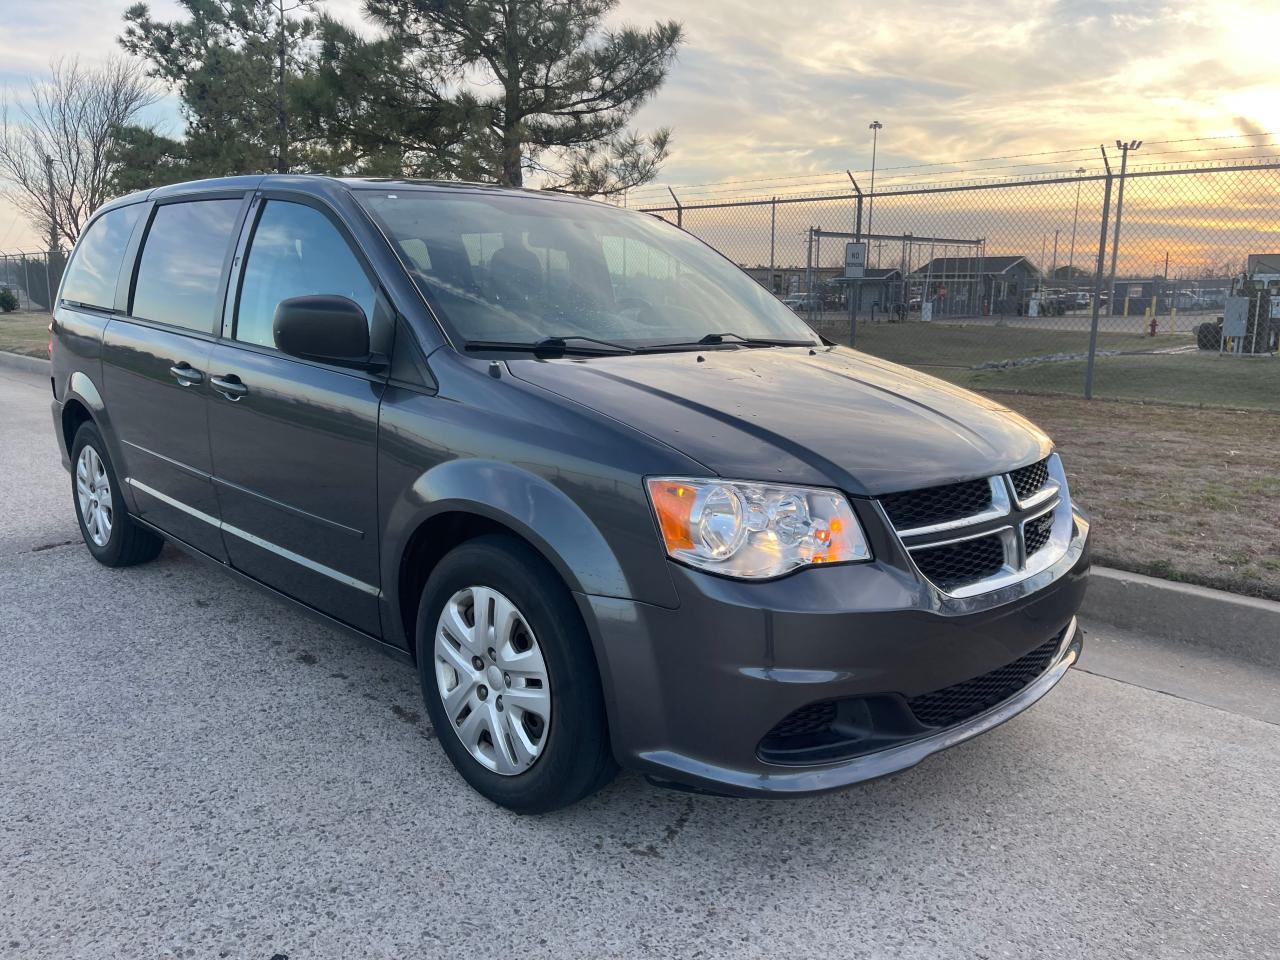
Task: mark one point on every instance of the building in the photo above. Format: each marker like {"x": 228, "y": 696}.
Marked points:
{"x": 789, "y": 281}
{"x": 879, "y": 290}
{"x": 975, "y": 286}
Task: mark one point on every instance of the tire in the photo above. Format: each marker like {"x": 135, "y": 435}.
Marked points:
{"x": 109, "y": 531}
{"x": 570, "y": 745}
{"x": 1208, "y": 336}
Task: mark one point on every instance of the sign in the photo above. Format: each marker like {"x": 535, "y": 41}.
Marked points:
{"x": 855, "y": 260}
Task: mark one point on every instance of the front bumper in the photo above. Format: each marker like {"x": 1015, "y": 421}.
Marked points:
{"x": 693, "y": 692}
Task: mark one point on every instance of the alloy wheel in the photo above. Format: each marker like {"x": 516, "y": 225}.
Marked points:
{"x": 492, "y": 680}
{"x": 93, "y": 489}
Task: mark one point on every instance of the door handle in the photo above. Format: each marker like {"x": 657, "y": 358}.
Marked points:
{"x": 229, "y": 386}
{"x": 185, "y": 374}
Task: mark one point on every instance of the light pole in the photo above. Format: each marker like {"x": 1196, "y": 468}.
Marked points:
{"x": 1075, "y": 217}
{"x": 875, "y": 127}
{"x": 1125, "y": 149}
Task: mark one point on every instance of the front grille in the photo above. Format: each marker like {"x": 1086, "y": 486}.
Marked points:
{"x": 1036, "y": 532}
{"x": 956, "y": 564}
{"x": 813, "y": 718}
{"x": 960, "y": 701}
{"x": 951, "y": 501}
{"x": 1028, "y": 481}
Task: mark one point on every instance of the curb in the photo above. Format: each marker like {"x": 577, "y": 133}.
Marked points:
{"x": 1243, "y": 627}
{"x": 19, "y": 361}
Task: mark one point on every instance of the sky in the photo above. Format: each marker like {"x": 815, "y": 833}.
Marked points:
{"x": 767, "y": 89}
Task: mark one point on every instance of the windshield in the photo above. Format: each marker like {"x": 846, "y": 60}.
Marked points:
{"x": 506, "y": 268}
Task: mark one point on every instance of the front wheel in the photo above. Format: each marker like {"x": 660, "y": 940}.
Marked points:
{"x": 509, "y": 677}
{"x": 109, "y": 532}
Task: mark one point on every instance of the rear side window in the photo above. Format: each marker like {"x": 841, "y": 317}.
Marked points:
{"x": 181, "y": 265}
{"x": 91, "y": 278}
{"x": 296, "y": 252}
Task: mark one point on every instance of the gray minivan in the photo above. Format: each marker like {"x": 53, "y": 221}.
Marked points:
{"x": 616, "y": 502}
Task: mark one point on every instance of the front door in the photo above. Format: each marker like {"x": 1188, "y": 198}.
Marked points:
{"x": 295, "y": 441}
{"x": 155, "y": 367}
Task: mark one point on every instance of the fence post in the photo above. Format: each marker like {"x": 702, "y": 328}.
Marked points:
{"x": 679, "y": 209}
{"x": 1097, "y": 281}
{"x": 808, "y": 276}
{"x": 773, "y": 238}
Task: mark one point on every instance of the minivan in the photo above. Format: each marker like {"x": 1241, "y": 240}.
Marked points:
{"x": 616, "y": 503}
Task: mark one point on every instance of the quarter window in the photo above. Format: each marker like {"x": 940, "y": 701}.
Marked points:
{"x": 296, "y": 252}
{"x": 91, "y": 278}
{"x": 181, "y": 267}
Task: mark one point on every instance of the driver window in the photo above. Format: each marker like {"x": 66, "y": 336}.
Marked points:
{"x": 296, "y": 251}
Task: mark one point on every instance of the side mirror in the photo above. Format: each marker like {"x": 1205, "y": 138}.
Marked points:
{"x": 327, "y": 328}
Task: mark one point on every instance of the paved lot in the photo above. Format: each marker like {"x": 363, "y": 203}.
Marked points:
{"x": 188, "y": 769}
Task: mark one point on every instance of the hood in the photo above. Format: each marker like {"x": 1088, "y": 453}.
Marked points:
{"x": 830, "y": 417}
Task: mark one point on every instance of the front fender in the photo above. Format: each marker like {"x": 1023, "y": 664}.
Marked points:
{"x": 530, "y": 506}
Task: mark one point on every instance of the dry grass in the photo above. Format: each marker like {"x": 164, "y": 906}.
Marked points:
{"x": 26, "y": 332}
{"x": 1179, "y": 493}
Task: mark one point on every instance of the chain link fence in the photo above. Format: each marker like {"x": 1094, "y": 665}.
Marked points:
{"x": 1163, "y": 284}
{"x": 32, "y": 279}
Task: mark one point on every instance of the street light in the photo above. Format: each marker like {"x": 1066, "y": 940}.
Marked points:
{"x": 875, "y": 127}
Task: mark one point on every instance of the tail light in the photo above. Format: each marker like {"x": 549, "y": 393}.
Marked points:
{"x": 51, "y": 323}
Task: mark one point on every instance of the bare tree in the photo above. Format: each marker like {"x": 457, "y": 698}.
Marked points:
{"x": 71, "y": 119}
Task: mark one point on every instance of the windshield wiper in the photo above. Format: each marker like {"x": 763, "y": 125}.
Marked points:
{"x": 711, "y": 339}
{"x": 553, "y": 345}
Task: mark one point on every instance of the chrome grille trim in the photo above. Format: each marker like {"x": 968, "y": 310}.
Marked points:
{"x": 999, "y": 508}
{"x": 1053, "y": 498}
{"x": 1047, "y": 492}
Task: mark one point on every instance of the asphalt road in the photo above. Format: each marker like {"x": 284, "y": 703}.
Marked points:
{"x": 188, "y": 769}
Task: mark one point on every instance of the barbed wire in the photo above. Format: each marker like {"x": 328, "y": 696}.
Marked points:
{"x": 1079, "y": 155}
{"x": 925, "y": 185}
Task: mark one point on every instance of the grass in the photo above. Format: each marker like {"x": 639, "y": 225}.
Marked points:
{"x": 959, "y": 352}
{"x": 25, "y": 332}
{"x": 1174, "y": 492}
{"x": 1198, "y": 379}
{"x": 917, "y": 344}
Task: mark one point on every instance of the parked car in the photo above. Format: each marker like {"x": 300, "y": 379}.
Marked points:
{"x": 800, "y": 303}
{"x": 615, "y": 503}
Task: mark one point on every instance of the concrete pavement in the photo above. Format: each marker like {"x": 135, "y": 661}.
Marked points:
{"x": 188, "y": 769}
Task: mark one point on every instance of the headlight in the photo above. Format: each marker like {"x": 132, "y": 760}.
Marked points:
{"x": 754, "y": 530}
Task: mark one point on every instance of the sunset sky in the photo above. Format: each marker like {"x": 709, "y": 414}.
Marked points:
{"x": 764, "y": 89}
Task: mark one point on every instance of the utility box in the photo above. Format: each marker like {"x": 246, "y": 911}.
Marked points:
{"x": 1235, "y": 317}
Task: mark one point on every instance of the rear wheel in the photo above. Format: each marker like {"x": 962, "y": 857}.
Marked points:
{"x": 509, "y": 678}
{"x": 109, "y": 531}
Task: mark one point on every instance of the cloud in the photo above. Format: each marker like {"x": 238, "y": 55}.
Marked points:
{"x": 770, "y": 89}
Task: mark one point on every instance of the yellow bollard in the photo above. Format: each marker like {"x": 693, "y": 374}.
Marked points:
{"x": 1173, "y": 319}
